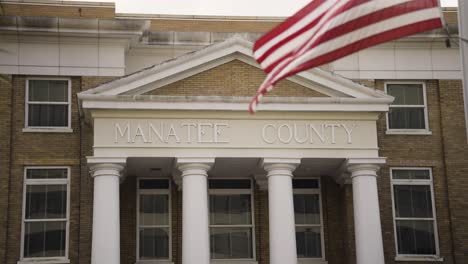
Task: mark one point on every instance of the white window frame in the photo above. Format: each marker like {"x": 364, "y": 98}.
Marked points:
{"x": 252, "y": 214}
{"x": 321, "y": 225}
{"x": 428, "y": 182}
{"x": 63, "y": 129}
{"x": 64, "y": 259}
{"x": 153, "y": 191}
{"x": 426, "y": 130}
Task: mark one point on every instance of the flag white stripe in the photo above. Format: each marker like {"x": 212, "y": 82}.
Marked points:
{"x": 351, "y": 14}
{"x": 296, "y": 27}
{"x": 295, "y": 43}
{"x": 373, "y": 29}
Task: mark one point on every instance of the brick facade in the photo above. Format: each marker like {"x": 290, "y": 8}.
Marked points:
{"x": 445, "y": 151}
{"x": 234, "y": 78}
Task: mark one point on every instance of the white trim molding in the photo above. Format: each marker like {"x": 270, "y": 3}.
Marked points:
{"x": 415, "y": 182}
{"x": 54, "y": 181}
{"x": 409, "y": 131}
{"x": 154, "y": 191}
{"x": 27, "y": 103}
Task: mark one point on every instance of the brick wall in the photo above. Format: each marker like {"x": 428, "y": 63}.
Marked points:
{"x": 445, "y": 151}
{"x": 5, "y": 132}
{"x": 41, "y": 149}
{"x": 415, "y": 151}
{"x": 234, "y": 78}
{"x": 456, "y": 162}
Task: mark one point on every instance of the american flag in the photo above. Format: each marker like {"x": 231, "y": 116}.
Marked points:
{"x": 326, "y": 30}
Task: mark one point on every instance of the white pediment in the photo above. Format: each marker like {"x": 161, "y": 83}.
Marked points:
{"x": 235, "y": 48}
{"x": 135, "y": 91}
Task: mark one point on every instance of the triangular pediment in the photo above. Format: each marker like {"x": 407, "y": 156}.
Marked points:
{"x": 228, "y": 69}
{"x": 234, "y": 78}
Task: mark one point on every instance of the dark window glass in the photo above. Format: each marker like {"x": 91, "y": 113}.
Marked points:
{"x": 231, "y": 243}
{"x": 230, "y": 209}
{"x": 154, "y": 184}
{"x": 415, "y": 237}
{"x": 46, "y": 201}
{"x": 46, "y": 115}
{"x": 154, "y": 243}
{"x": 413, "y": 201}
{"x": 399, "y": 174}
{"x": 306, "y": 184}
{"x": 48, "y": 91}
{"x": 44, "y": 239}
{"x": 154, "y": 209}
{"x": 48, "y": 103}
{"x": 406, "y": 118}
{"x": 306, "y": 209}
{"x": 406, "y": 94}
{"x": 46, "y": 174}
{"x": 229, "y": 184}
{"x": 308, "y": 242}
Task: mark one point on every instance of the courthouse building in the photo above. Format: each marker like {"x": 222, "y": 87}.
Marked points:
{"x": 126, "y": 138}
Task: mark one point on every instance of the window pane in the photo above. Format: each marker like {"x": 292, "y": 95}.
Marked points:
{"x": 308, "y": 242}
{"x": 44, "y": 239}
{"x": 307, "y": 208}
{"x": 415, "y": 237}
{"x": 305, "y": 184}
{"x": 48, "y": 91}
{"x": 409, "y": 118}
{"x": 154, "y": 209}
{"x": 413, "y": 201}
{"x": 46, "y": 201}
{"x": 48, "y": 115}
{"x": 154, "y": 243}
{"x": 231, "y": 243}
{"x": 230, "y": 209}
{"x": 411, "y": 174}
{"x": 154, "y": 184}
{"x": 46, "y": 173}
{"x": 406, "y": 94}
{"x": 229, "y": 184}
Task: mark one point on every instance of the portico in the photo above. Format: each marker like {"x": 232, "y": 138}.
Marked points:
{"x": 192, "y": 139}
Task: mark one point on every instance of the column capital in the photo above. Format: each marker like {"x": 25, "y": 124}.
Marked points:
{"x": 106, "y": 169}
{"x": 364, "y": 167}
{"x": 278, "y": 165}
{"x": 363, "y": 170}
{"x": 194, "y": 166}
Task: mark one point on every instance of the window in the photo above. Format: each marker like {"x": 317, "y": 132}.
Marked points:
{"x": 414, "y": 212}
{"x": 154, "y": 220}
{"x": 48, "y": 103}
{"x": 231, "y": 219}
{"x": 408, "y": 113}
{"x": 45, "y": 213}
{"x": 308, "y": 218}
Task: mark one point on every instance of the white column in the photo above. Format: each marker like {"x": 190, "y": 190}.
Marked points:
{"x": 195, "y": 225}
{"x": 367, "y": 228}
{"x": 281, "y": 210}
{"x": 106, "y": 214}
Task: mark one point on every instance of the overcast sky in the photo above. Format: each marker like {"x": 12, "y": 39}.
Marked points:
{"x": 217, "y": 7}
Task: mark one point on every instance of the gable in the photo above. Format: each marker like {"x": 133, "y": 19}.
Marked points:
{"x": 234, "y": 78}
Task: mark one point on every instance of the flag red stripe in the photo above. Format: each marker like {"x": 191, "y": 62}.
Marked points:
{"x": 288, "y": 23}
{"x": 309, "y": 26}
{"x": 367, "y": 42}
{"x": 363, "y": 21}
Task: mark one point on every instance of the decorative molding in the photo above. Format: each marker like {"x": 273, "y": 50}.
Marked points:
{"x": 261, "y": 181}
{"x": 106, "y": 169}
{"x": 194, "y": 166}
